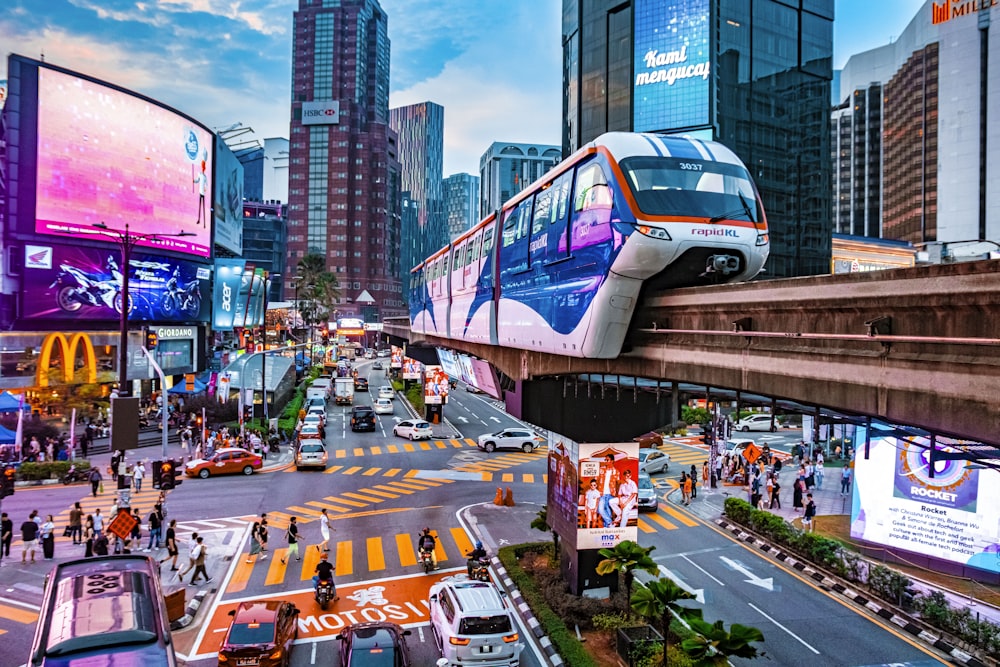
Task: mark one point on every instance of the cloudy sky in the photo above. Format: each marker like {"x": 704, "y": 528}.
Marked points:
{"x": 495, "y": 65}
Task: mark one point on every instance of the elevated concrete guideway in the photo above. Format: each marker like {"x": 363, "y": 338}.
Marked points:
{"x": 918, "y": 346}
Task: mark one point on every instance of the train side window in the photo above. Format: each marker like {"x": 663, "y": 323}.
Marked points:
{"x": 509, "y": 228}
{"x": 458, "y": 259}
{"x": 543, "y": 210}
{"x": 487, "y": 242}
{"x": 523, "y": 218}
{"x": 592, "y": 189}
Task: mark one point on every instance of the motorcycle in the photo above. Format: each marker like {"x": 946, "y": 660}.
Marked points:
{"x": 76, "y": 288}
{"x": 185, "y": 299}
{"x": 425, "y": 561}
{"x": 324, "y": 593}
{"x": 479, "y": 569}
{"x": 73, "y": 476}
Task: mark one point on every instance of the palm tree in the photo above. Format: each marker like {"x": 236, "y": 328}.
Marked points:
{"x": 712, "y": 645}
{"x": 540, "y": 522}
{"x": 658, "y": 600}
{"x": 626, "y": 557}
{"x": 317, "y": 289}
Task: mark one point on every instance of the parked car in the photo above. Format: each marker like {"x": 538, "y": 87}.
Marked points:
{"x": 311, "y": 454}
{"x": 756, "y": 422}
{"x": 414, "y": 429}
{"x": 261, "y": 634}
{"x": 473, "y": 624}
{"x": 383, "y": 406}
{"x": 385, "y": 391}
{"x": 653, "y": 461}
{"x": 651, "y": 439}
{"x": 647, "y": 493}
{"x": 228, "y": 460}
{"x": 376, "y": 644}
{"x": 360, "y": 384}
{"x": 511, "y": 438}
{"x": 362, "y": 418}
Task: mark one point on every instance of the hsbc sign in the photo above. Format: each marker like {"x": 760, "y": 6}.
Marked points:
{"x": 321, "y": 113}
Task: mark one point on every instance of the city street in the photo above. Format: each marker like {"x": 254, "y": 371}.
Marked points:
{"x": 380, "y": 491}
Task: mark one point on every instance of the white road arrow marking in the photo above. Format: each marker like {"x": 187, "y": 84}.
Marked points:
{"x": 462, "y": 419}
{"x": 698, "y": 593}
{"x": 496, "y": 419}
{"x": 751, "y": 578}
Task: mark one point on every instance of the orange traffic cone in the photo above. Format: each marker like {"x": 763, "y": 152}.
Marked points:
{"x": 509, "y": 498}
{"x": 498, "y": 499}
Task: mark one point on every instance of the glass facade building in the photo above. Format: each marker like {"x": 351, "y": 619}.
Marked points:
{"x": 420, "y": 132}
{"x": 341, "y": 163}
{"x": 461, "y": 203}
{"x": 754, "y": 76}
{"x": 264, "y": 232}
{"x": 507, "y": 168}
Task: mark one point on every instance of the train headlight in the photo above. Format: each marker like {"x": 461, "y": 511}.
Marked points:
{"x": 653, "y": 232}
{"x": 763, "y": 239}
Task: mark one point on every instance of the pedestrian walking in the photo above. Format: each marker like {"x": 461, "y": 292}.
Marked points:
{"x": 324, "y": 531}
{"x": 98, "y": 523}
{"x": 199, "y": 553}
{"x": 688, "y": 485}
{"x": 155, "y": 524}
{"x": 775, "y": 494}
{"x": 810, "y": 475}
{"x": 76, "y": 523}
{"x": 254, "y": 542}
{"x": 29, "y": 539}
{"x": 6, "y": 535}
{"x": 694, "y": 481}
{"x": 101, "y": 545}
{"x": 797, "y": 492}
{"x": 292, "y": 535}
{"x": 47, "y": 535}
{"x": 191, "y": 559}
{"x": 808, "y": 519}
{"x": 95, "y": 481}
{"x": 138, "y": 472}
{"x": 845, "y": 480}
{"x": 704, "y": 475}
{"x": 818, "y": 471}
{"x": 262, "y": 536}
{"x": 171, "y": 543}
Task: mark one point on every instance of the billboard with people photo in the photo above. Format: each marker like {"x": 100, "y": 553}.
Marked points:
{"x": 435, "y": 385}
{"x": 608, "y": 494}
{"x": 563, "y": 488}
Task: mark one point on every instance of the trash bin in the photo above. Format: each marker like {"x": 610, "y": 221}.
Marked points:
{"x": 176, "y": 604}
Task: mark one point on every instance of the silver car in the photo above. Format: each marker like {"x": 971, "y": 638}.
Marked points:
{"x": 653, "y": 461}
{"x": 647, "y": 494}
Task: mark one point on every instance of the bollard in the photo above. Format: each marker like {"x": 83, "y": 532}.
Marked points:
{"x": 509, "y": 498}
{"x": 498, "y": 499}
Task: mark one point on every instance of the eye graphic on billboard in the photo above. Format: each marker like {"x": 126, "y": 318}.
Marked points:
{"x": 672, "y": 64}
{"x": 227, "y": 203}
{"x": 108, "y": 156}
{"x": 953, "y": 515}
{"x": 85, "y": 283}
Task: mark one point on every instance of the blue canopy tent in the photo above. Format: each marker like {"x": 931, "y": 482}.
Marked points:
{"x": 181, "y": 388}
{"x": 6, "y": 436}
{"x": 10, "y": 403}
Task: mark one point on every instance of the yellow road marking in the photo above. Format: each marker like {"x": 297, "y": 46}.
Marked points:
{"x": 351, "y": 470}
{"x": 405, "y": 547}
{"x": 376, "y": 450}
{"x": 388, "y": 511}
{"x": 370, "y": 472}
{"x": 376, "y": 557}
{"x": 471, "y": 443}
{"x": 345, "y": 559}
{"x": 507, "y": 477}
{"x": 545, "y": 479}
{"x": 276, "y": 572}
{"x": 439, "y": 444}
{"x": 424, "y": 483}
{"x": 393, "y": 489}
{"x": 393, "y": 449}
{"x": 528, "y": 478}
{"x": 487, "y": 476}
{"x": 680, "y": 516}
{"x": 316, "y": 503}
{"x": 341, "y": 454}
{"x": 359, "y": 451}
{"x": 305, "y": 510}
{"x": 344, "y": 501}
{"x": 332, "y": 469}
{"x": 405, "y": 485}
{"x": 462, "y": 540}
{"x": 409, "y": 447}
{"x": 368, "y": 499}
{"x": 426, "y": 446}
{"x": 241, "y": 575}
{"x": 456, "y": 443}
{"x": 663, "y": 522}
{"x": 645, "y": 527}
{"x": 412, "y": 473}
{"x": 392, "y": 472}
{"x": 383, "y": 494}
{"x": 309, "y": 560}
{"x": 17, "y": 614}
{"x": 439, "y": 550}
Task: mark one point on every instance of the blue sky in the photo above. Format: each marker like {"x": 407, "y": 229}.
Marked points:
{"x": 495, "y": 65}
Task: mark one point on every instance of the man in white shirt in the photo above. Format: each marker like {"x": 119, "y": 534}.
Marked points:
{"x": 628, "y": 494}
{"x": 608, "y": 482}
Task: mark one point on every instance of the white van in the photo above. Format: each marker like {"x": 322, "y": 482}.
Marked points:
{"x": 326, "y": 384}
{"x": 472, "y": 624}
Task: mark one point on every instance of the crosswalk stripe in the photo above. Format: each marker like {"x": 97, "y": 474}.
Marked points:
{"x": 393, "y": 489}
{"x": 352, "y": 470}
{"x": 306, "y": 511}
{"x": 241, "y": 575}
{"x": 333, "y": 469}
{"x": 528, "y": 478}
{"x": 333, "y": 508}
{"x": 368, "y": 499}
{"x": 392, "y": 472}
{"x": 309, "y": 561}
{"x": 376, "y": 557}
{"x": 383, "y": 494}
{"x": 440, "y": 445}
{"x": 409, "y": 447}
{"x": 376, "y": 450}
{"x": 487, "y": 476}
{"x": 663, "y": 522}
{"x": 345, "y": 501}
{"x": 341, "y": 454}
{"x": 393, "y": 449}
{"x": 439, "y": 549}
{"x": 426, "y": 446}
{"x": 359, "y": 451}
{"x": 545, "y": 479}
{"x": 370, "y": 472}
{"x": 680, "y": 516}
{"x": 404, "y": 546}
{"x": 456, "y": 443}
{"x": 406, "y": 485}
{"x": 645, "y": 527}
{"x": 507, "y": 477}
{"x": 345, "y": 562}
{"x": 422, "y": 482}
{"x": 276, "y": 571}
{"x": 471, "y": 443}
{"x": 461, "y": 539}
{"x": 412, "y": 473}
{"x": 17, "y": 614}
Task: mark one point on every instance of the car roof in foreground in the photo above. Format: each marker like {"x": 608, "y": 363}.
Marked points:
{"x": 374, "y": 635}
{"x": 257, "y": 611}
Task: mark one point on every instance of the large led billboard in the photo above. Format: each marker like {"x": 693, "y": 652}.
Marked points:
{"x": 227, "y": 203}
{"x": 672, "y": 64}
{"x": 64, "y": 282}
{"x": 953, "y": 515}
{"x": 108, "y": 156}
{"x": 240, "y": 292}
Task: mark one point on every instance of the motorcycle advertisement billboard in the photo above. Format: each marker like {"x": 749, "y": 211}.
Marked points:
{"x": 73, "y": 283}
{"x": 105, "y": 155}
{"x": 227, "y": 203}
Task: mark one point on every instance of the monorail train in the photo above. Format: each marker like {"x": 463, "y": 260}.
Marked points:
{"x": 560, "y": 267}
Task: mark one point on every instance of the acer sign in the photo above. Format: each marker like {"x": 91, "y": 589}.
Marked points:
{"x": 321, "y": 113}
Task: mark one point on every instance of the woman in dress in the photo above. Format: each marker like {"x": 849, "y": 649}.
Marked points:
{"x": 254, "y": 542}
{"x": 324, "y": 531}
{"x": 48, "y": 535}
{"x": 262, "y": 536}
{"x": 797, "y": 489}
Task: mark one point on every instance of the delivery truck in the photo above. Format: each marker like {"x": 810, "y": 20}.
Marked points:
{"x": 343, "y": 391}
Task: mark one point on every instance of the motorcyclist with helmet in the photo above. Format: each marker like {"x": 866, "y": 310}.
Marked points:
{"x": 427, "y": 543}
{"x": 324, "y": 572}
{"x": 474, "y": 556}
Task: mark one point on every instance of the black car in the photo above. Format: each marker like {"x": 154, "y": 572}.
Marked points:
{"x": 360, "y": 384}
{"x": 374, "y": 645}
{"x": 362, "y": 418}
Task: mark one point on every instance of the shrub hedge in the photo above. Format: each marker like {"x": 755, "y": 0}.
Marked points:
{"x": 48, "y": 469}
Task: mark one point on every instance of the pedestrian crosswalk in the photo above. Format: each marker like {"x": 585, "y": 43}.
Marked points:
{"x": 487, "y": 470}
{"x": 403, "y": 447}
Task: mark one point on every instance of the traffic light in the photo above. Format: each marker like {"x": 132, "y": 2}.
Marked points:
{"x": 178, "y": 471}
{"x": 7, "y": 480}
{"x": 169, "y": 474}
{"x": 157, "y": 476}
{"x": 151, "y": 340}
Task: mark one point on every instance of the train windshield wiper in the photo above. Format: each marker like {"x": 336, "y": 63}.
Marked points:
{"x": 746, "y": 210}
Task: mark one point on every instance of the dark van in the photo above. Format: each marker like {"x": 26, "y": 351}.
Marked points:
{"x": 362, "y": 418}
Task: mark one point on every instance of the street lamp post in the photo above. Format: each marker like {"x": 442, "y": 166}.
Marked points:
{"x": 126, "y": 242}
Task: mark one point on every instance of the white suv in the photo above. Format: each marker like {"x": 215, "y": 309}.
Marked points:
{"x": 756, "y": 422}
{"x": 472, "y": 625}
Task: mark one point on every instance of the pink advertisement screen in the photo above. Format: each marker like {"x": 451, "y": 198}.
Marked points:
{"x": 106, "y": 156}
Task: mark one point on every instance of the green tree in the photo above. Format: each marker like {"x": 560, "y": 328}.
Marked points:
{"x": 318, "y": 289}
{"x": 657, "y": 601}
{"x": 626, "y": 557}
{"x": 713, "y": 645}
{"x": 540, "y": 522}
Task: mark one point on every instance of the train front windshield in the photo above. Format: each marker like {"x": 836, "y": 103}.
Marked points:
{"x": 691, "y": 188}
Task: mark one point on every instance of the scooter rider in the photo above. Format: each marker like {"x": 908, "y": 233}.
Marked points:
{"x": 426, "y": 542}
{"x": 475, "y": 556}
{"x": 324, "y": 572}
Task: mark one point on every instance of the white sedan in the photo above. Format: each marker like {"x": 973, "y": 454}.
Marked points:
{"x": 511, "y": 438}
{"x": 756, "y": 422}
{"x": 385, "y": 391}
{"x": 414, "y": 429}
{"x": 653, "y": 461}
{"x": 383, "y": 406}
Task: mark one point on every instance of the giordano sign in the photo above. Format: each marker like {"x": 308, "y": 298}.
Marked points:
{"x": 67, "y": 350}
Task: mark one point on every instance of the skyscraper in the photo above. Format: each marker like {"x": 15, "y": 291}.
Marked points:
{"x": 754, "y": 76}
{"x": 507, "y": 168}
{"x": 340, "y": 164}
{"x": 461, "y": 203}
{"x": 420, "y": 128}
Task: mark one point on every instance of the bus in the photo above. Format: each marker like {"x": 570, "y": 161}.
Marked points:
{"x": 104, "y": 610}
